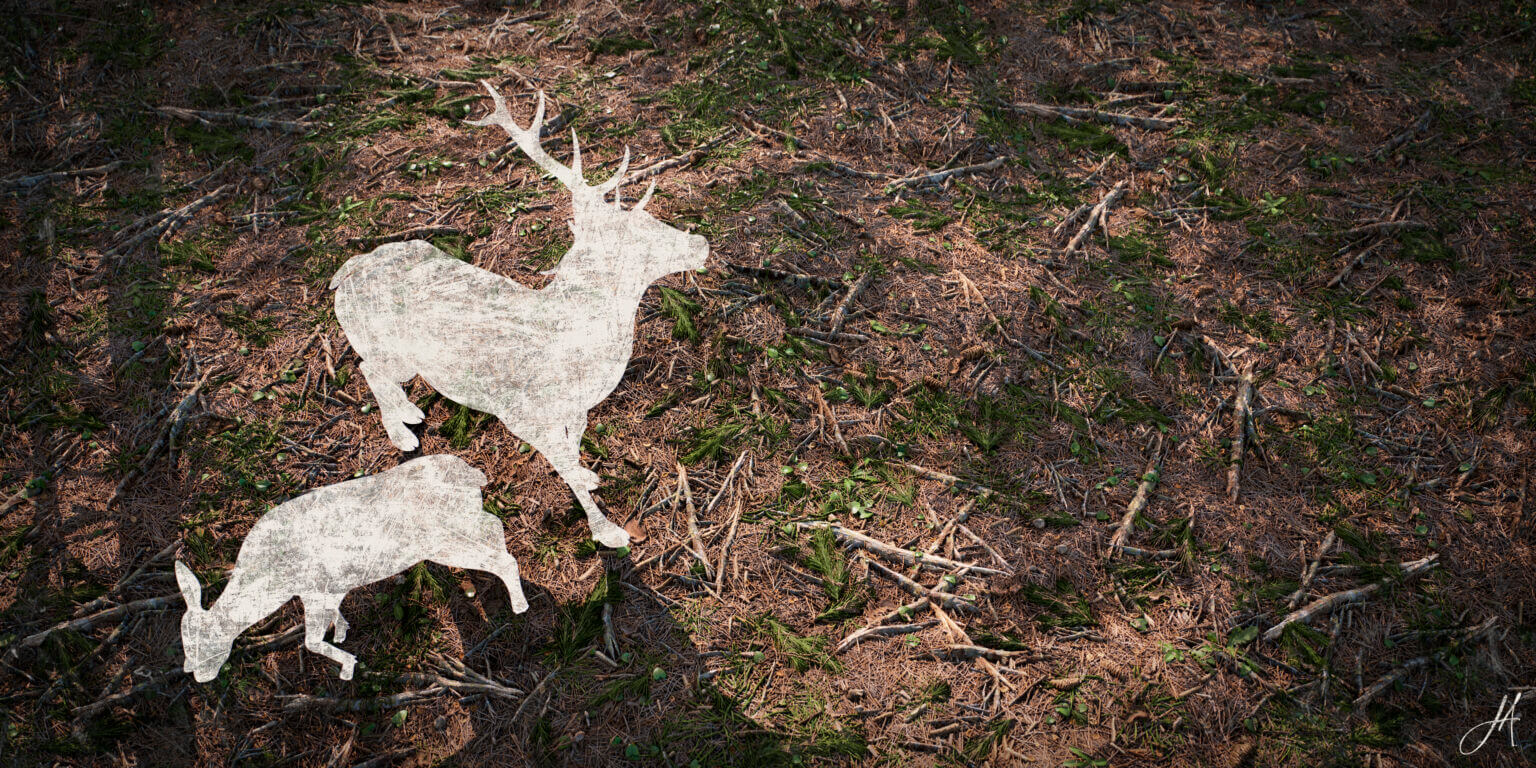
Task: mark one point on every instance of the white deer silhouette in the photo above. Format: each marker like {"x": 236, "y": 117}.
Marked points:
{"x": 322, "y": 545}
{"x": 536, "y": 359}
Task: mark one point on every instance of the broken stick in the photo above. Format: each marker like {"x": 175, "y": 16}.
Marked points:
{"x": 1240, "y": 430}
{"x": 1098, "y": 213}
{"x": 1323, "y": 605}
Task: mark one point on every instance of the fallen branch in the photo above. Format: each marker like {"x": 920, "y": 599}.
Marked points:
{"x": 799, "y": 278}
{"x": 1239, "y": 430}
{"x": 893, "y": 630}
{"x": 840, "y": 315}
{"x": 1075, "y": 114}
{"x": 1402, "y": 670}
{"x": 948, "y": 479}
{"x": 686, "y": 158}
{"x": 693, "y": 523}
{"x": 178, "y": 420}
{"x": 209, "y": 118}
{"x": 165, "y": 223}
{"x": 1094, "y": 216}
{"x": 23, "y": 182}
{"x": 414, "y": 233}
{"x": 1323, "y": 605}
{"x": 306, "y": 703}
{"x": 903, "y": 612}
{"x": 1379, "y": 227}
{"x": 894, "y": 553}
{"x": 1139, "y": 501}
{"x": 938, "y": 177}
{"x": 945, "y": 599}
{"x": 1352, "y": 265}
{"x": 1310, "y": 572}
{"x": 1400, "y": 139}
{"x": 87, "y": 623}
{"x": 961, "y": 652}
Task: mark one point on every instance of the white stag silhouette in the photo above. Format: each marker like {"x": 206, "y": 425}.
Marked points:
{"x": 322, "y": 545}
{"x": 536, "y": 359}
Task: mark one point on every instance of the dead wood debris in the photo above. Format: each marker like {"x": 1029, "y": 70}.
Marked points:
{"x": 1096, "y": 215}
{"x": 1323, "y": 605}
{"x": 897, "y": 554}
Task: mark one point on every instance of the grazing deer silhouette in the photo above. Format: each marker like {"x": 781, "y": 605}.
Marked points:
{"x": 322, "y": 545}
{"x": 536, "y": 359}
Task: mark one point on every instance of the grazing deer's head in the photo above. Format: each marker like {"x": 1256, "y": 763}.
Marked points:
{"x": 609, "y": 237}
{"x": 204, "y": 638}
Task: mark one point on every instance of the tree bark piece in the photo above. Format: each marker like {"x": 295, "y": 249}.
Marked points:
{"x": 1149, "y": 478}
{"x": 1239, "y": 430}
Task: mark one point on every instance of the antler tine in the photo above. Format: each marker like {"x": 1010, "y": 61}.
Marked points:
{"x": 618, "y": 178}
{"x": 576, "y": 156}
{"x": 646, "y": 198}
{"x": 528, "y": 140}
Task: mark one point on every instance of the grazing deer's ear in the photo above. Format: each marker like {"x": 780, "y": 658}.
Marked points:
{"x": 191, "y": 591}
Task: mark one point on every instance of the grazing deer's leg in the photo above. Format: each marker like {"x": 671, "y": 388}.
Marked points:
{"x": 563, "y": 450}
{"x": 396, "y": 409}
{"x": 341, "y": 625}
{"x": 320, "y": 611}
{"x": 494, "y": 559}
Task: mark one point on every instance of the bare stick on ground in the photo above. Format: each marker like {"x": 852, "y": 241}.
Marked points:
{"x": 1311, "y": 572}
{"x": 1323, "y": 605}
{"x": 172, "y": 431}
{"x": 938, "y": 177}
{"x": 1097, "y": 214}
{"x": 1403, "y": 670}
{"x": 918, "y": 590}
{"x": 895, "y": 553}
{"x": 1077, "y": 114}
{"x": 1239, "y": 430}
{"x": 1139, "y": 502}
{"x": 209, "y": 118}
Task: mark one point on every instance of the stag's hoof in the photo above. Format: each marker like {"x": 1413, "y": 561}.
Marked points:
{"x": 346, "y": 671}
{"x": 403, "y": 438}
{"x": 410, "y": 414}
{"x": 610, "y": 535}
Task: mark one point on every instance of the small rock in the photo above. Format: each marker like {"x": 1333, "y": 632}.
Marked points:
{"x": 1061, "y": 549}
{"x": 1039, "y": 522}
{"x": 441, "y": 724}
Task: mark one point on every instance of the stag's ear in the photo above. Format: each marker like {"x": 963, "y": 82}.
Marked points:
{"x": 191, "y": 591}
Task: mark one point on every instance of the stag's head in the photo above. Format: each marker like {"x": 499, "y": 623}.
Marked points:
{"x": 627, "y": 240}
{"x": 204, "y": 638}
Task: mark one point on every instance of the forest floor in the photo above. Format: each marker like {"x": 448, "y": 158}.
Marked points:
{"x": 1143, "y": 324}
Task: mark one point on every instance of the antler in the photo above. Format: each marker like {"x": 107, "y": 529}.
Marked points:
{"x": 528, "y": 142}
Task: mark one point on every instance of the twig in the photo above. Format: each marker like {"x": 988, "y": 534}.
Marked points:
{"x": 87, "y": 623}
{"x": 1404, "y": 137}
{"x": 305, "y": 703}
{"x": 1094, "y": 216}
{"x": 1139, "y": 501}
{"x": 948, "y": 479}
{"x": 693, "y": 522}
{"x": 1379, "y": 227}
{"x": 177, "y": 421}
{"x": 893, "y": 630}
{"x": 841, "y": 314}
{"x": 164, "y": 224}
{"x": 894, "y": 553}
{"x": 378, "y": 761}
{"x": 1402, "y": 670}
{"x": 209, "y": 118}
{"x": 938, "y": 177}
{"x": 918, "y": 590}
{"x": 1239, "y": 430}
{"x": 725, "y": 549}
{"x": 1310, "y": 572}
{"x": 963, "y": 652}
{"x": 686, "y": 158}
{"x": 726, "y": 483}
{"x": 414, "y": 233}
{"x": 1074, "y": 114}
{"x": 1323, "y": 605}
{"x": 1352, "y": 265}
{"x": 101, "y": 602}
{"x": 22, "y": 182}
{"x": 799, "y": 278}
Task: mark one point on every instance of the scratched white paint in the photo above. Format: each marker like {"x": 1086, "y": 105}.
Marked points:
{"x": 536, "y": 359}
{"x": 320, "y": 546}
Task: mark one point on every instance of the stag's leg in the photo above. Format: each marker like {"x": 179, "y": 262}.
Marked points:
{"x": 563, "y": 450}
{"x": 320, "y": 611}
{"x": 341, "y": 625}
{"x": 397, "y": 409}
